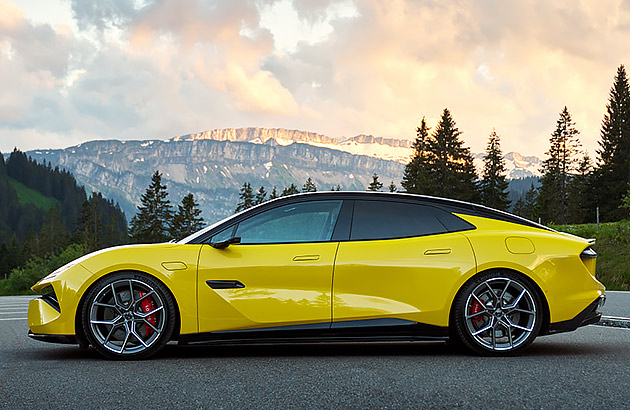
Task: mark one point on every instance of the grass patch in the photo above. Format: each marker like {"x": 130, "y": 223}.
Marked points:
{"x": 613, "y": 251}
{"x": 27, "y": 195}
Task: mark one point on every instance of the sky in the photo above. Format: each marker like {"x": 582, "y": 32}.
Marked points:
{"x": 78, "y": 70}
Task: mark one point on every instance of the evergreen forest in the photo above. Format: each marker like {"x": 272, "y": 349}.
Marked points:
{"x": 47, "y": 219}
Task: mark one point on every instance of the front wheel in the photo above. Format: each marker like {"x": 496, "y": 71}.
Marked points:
{"x": 497, "y": 313}
{"x": 128, "y": 315}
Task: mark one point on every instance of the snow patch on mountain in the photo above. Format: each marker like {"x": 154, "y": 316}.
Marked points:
{"x": 392, "y": 149}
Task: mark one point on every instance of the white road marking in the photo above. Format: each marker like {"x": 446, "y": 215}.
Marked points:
{"x": 14, "y": 318}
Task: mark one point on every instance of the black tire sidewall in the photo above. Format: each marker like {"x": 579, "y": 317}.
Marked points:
{"x": 162, "y": 291}
{"x": 460, "y": 330}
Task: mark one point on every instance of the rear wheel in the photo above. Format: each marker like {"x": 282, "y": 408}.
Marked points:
{"x": 497, "y": 313}
{"x": 128, "y": 316}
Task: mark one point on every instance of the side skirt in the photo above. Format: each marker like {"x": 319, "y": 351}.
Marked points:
{"x": 370, "y": 330}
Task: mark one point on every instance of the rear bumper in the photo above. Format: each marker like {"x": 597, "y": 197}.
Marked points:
{"x": 590, "y": 315}
{"x": 64, "y": 339}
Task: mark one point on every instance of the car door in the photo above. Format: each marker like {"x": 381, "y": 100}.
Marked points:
{"x": 279, "y": 275}
{"x": 400, "y": 263}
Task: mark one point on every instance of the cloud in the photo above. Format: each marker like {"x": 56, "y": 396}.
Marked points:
{"x": 155, "y": 69}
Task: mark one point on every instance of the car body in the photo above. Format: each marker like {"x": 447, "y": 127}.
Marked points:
{"x": 335, "y": 266}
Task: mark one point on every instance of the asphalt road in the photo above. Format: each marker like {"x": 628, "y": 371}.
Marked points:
{"x": 588, "y": 368}
{"x": 617, "y": 304}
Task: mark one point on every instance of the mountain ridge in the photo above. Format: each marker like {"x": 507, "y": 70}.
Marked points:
{"x": 214, "y": 164}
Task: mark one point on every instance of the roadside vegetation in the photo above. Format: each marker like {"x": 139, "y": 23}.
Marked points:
{"x": 46, "y": 217}
{"x": 613, "y": 250}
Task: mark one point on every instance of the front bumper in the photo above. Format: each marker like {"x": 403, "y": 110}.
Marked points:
{"x": 64, "y": 339}
{"x": 590, "y": 315}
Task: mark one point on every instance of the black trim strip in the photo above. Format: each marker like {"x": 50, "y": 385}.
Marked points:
{"x": 368, "y": 329}
{"x": 63, "y": 339}
{"x": 207, "y": 338}
{"x": 225, "y": 284}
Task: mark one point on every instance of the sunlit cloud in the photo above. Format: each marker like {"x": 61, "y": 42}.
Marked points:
{"x": 156, "y": 69}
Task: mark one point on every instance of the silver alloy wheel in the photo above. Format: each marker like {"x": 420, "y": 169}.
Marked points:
{"x": 500, "y": 314}
{"x": 127, "y": 316}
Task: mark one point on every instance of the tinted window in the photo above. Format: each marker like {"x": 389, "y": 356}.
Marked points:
{"x": 300, "y": 222}
{"x": 223, "y": 235}
{"x": 384, "y": 219}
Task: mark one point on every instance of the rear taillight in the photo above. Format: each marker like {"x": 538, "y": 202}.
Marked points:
{"x": 588, "y": 253}
{"x": 589, "y": 256}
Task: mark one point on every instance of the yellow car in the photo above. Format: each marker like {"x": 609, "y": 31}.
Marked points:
{"x": 335, "y": 266}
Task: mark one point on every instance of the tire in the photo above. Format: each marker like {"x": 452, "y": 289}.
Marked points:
{"x": 128, "y": 316}
{"x": 497, "y": 314}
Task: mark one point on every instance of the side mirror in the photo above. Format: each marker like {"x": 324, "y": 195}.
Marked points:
{"x": 224, "y": 244}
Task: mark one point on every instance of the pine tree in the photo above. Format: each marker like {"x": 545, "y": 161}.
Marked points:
{"x": 89, "y": 225}
{"x": 494, "y": 186}
{"x": 375, "y": 185}
{"x": 111, "y": 233}
{"x": 261, "y": 195}
{"x": 337, "y": 188}
{"x": 579, "y": 192}
{"x": 557, "y": 169}
{"x": 187, "y": 219}
{"x": 448, "y": 164}
{"x": 246, "y": 198}
{"x": 613, "y": 172}
{"x": 309, "y": 186}
{"x": 152, "y": 221}
{"x": 625, "y": 203}
{"x": 274, "y": 193}
{"x": 392, "y": 187}
{"x": 291, "y": 190}
{"x": 519, "y": 207}
{"x": 415, "y": 177}
{"x": 529, "y": 208}
{"x": 53, "y": 237}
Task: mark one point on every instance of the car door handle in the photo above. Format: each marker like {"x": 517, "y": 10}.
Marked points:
{"x": 442, "y": 251}
{"x": 225, "y": 284}
{"x": 301, "y": 258}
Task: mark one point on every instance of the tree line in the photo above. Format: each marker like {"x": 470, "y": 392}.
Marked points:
{"x": 571, "y": 188}
{"x": 156, "y": 221}
{"x": 47, "y": 219}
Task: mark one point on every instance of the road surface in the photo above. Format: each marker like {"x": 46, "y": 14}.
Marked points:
{"x": 588, "y": 368}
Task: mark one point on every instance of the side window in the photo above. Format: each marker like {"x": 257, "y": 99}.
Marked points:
{"x": 223, "y": 235}
{"x": 312, "y": 221}
{"x": 386, "y": 220}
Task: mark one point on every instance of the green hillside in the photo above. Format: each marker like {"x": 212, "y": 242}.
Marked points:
{"x": 27, "y": 195}
{"x": 613, "y": 251}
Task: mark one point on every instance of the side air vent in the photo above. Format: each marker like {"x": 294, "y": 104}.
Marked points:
{"x": 49, "y": 296}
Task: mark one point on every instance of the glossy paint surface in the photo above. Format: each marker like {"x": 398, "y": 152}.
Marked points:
{"x": 414, "y": 279}
{"x": 285, "y": 284}
{"x": 410, "y": 278}
{"x": 71, "y": 285}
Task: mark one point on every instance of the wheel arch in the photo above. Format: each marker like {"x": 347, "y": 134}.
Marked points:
{"x": 80, "y": 334}
{"x": 545, "y": 304}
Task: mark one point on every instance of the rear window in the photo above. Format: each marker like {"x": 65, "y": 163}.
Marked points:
{"x": 386, "y": 220}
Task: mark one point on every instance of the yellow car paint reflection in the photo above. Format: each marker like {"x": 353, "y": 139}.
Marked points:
{"x": 401, "y": 278}
{"x": 484, "y": 274}
{"x": 285, "y": 284}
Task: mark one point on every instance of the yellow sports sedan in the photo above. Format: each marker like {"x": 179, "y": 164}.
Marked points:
{"x": 336, "y": 266}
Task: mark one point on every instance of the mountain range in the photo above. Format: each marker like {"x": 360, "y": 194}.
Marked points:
{"x": 214, "y": 164}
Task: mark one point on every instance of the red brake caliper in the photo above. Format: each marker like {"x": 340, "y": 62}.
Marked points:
{"x": 476, "y": 308}
{"x": 147, "y": 306}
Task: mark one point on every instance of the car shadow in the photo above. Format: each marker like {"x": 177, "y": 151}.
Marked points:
{"x": 376, "y": 349}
